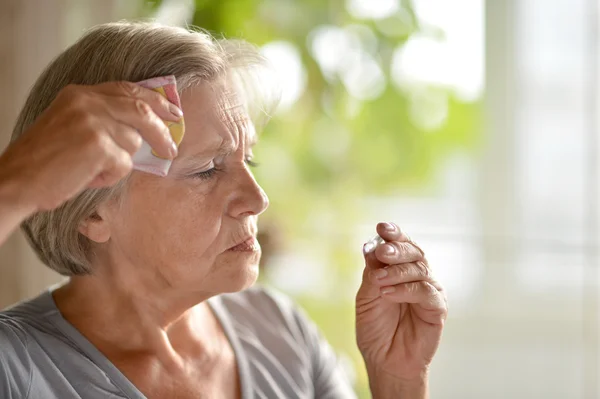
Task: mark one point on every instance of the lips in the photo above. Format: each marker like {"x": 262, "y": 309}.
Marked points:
{"x": 249, "y": 245}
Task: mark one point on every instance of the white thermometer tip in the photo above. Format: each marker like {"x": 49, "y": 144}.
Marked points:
{"x": 372, "y": 244}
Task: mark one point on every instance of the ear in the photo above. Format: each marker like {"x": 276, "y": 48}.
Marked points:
{"x": 95, "y": 227}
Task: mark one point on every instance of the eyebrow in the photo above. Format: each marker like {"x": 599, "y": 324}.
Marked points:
{"x": 200, "y": 158}
{"x": 224, "y": 149}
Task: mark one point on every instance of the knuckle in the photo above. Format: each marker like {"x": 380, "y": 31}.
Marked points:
{"x": 117, "y": 162}
{"x": 418, "y": 248}
{"x": 128, "y": 88}
{"x": 414, "y": 250}
{"x": 142, "y": 108}
{"x": 158, "y": 98}
{"x": 136, "y": 140}
{"x": 423, "y": 270}
{"x": 131, "y": 142}
{"x": 96, "y": 144}
{"x": 402, "y": 271}
{"x": 410, "y": 288}
{"x": 403, "y": 249}
{"x": 428, "y": 288}
{"x": 82, "y": 119}
{"x": 97, "y": 140}
{"x": 74, "y": 96}
{"x": 125, "y": 163}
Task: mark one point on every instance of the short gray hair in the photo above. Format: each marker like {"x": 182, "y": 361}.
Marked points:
{"x": 130, "y": 51}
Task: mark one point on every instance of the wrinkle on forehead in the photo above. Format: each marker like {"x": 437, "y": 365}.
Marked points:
{"x": 218, "y": 125}
{"x": 231, "y": 110}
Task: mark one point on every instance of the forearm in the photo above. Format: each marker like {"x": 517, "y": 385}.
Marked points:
{"x": 386, "y": 386}
{"x": 13, "y": 208}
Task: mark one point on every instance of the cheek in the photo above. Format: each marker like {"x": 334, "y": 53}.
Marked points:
{"x": 188, "y": 219}
{"x": 174, "y": 220}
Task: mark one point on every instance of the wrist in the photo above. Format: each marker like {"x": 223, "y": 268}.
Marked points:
{"x": 14, "y": 207}
{"x": 385, "y": 385}
{"x": 13, "y": 197}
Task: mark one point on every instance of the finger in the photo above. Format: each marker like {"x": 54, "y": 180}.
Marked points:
{"x": 391, "y": 232}
{"x": 371, "y": 263}
{"x": 140, "y": 116}
{"x": 404, "y": 273}
{"x": 118, "y": 165}
{"x": 127, "y": 138}
{"x": 159, "y": 103}
{"x": 420, "y": 292}
{"x": 394, "y": 252}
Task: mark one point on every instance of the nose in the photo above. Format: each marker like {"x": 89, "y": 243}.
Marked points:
{"x": 248, "y": 196}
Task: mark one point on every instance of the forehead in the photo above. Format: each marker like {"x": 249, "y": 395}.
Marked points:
{"x": 214, "y": 114}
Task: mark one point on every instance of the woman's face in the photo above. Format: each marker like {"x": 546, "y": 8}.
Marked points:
{"x": 184, "y": 230}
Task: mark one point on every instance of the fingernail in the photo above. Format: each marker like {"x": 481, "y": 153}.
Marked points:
{"x": 173, "y": 149}
{"x": 388, "y": 290}
{"x": 389, "y": 250}
{"x": 372, "y": 244}
{"x": 380, "y": 273}
{"x": 175, "y": 110}
{"x": 389, "y": 227}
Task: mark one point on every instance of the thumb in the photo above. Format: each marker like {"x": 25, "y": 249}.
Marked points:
{"x": 371, "y": 261}
{"x": 368, "y": 288}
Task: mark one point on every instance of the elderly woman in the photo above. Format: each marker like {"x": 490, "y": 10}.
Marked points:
{"x": 158, "y": 302}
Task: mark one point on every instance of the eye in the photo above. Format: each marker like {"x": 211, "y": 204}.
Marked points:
{"x": 251, "y": 163}
{"x": 206, "y": 174}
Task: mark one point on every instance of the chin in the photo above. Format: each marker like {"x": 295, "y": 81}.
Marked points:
{"x": 242, "y": 280}
{"x": 242, "y": 276}
{"x": 231, "y": 272}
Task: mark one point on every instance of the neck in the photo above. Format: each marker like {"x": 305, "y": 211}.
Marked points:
{"x": 127, "y": 314}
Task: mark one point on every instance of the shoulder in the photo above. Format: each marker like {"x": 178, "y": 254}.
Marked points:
{"x": 19, "y": 326}
{"x": 15, "y": 361}
{"x": 12, "y": 330}
{"x": 13, "y": 336}
{"x": 27, "y": 317}
{"x": 14, "y": 327}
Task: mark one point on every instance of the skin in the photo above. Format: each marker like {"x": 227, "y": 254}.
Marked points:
{"x": 400, "y": 314}
{"x": 163, "y": 247}
{"x": 49, "y": 164}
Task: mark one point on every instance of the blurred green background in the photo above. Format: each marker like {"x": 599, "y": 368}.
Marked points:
{"x": 473, "y": 124}
{"x": 348, "y": 129}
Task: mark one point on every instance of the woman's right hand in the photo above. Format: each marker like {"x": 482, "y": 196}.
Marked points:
{"x": 85, "y": 138}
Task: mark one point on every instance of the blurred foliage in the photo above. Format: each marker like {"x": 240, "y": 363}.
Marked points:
{"x": 330, "y": 149}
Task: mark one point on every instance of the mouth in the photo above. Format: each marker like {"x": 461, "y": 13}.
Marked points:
{"x": 250, "y": 244}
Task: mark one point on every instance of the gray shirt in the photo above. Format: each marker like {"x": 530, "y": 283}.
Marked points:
{"x": 279, "y": 352}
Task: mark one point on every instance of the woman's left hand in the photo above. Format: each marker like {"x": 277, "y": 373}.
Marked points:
{"x": 400, "y": 310}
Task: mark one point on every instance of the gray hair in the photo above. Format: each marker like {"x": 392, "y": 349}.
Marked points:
{"x": 131, "y": 51}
